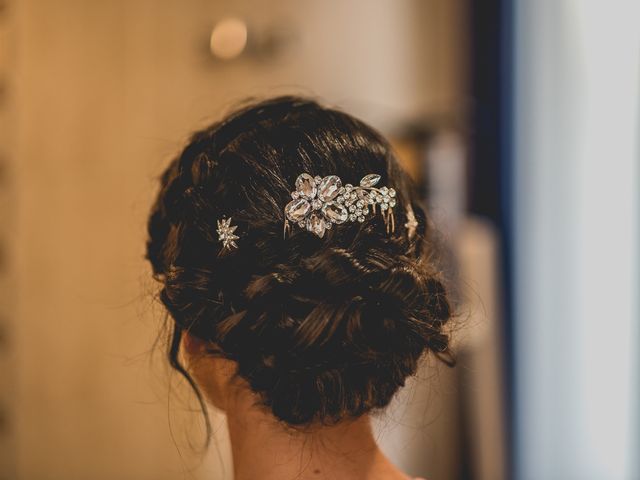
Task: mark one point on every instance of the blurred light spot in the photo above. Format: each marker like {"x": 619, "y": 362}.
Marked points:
{"x": 228, "y": 38}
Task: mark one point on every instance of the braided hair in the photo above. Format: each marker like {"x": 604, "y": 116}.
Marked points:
{"x": 322, "y": 329}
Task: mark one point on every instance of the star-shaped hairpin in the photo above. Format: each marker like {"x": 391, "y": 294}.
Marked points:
{"x": 412, "y": 223}
{"x": 226, "y": 235}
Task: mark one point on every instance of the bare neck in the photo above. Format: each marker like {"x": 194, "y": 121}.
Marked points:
{"x": 263, "y": 449}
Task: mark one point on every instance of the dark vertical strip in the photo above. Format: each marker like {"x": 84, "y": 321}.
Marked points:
{"x": 507, "y": 230}
{"x": 485, "y": 178}
{"x": 491, "y": 166}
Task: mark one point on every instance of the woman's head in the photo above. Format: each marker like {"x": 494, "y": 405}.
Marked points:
{"x": 320, "y": 329}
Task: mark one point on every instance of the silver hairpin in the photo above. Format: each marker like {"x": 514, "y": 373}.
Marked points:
{"x": 226, "y": 234}
{"x": 319, "y": 202}
{"x": 412, "y": 223}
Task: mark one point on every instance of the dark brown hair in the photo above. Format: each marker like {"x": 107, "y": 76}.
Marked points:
{"x": 322, "y": 329}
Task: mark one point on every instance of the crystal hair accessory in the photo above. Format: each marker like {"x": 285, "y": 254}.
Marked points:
{"x": 320, "y": 202}
{"x": 412, "y": 223}
{"x": 226, "y": 234}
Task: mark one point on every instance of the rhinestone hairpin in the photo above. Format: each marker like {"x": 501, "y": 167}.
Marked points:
{"x": 226, "y": 234}
{"x": 412, "y": 222}
{"x": 320, "y": 202}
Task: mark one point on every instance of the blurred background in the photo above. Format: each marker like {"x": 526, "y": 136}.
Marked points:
{"x": 519, "y": 120}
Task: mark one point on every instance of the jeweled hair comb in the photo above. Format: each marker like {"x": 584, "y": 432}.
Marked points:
{"x": 321, "y": 202}
{"x": 318, "y": 203}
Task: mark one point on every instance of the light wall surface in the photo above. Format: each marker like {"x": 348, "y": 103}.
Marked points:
{"x": 577, "y": 207}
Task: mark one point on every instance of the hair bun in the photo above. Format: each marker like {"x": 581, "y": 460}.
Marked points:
{"x": 321, "y": 328}
{"x": 351, "y": 325}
